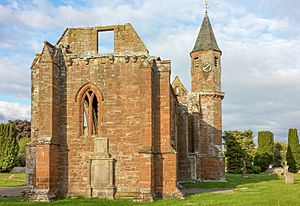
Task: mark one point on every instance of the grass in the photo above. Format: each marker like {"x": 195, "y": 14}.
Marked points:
{"x": 18, "y": 180}
{"x": 258, "y": 190}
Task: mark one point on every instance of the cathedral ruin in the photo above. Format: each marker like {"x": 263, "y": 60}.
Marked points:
{"x": 110, "y": 125}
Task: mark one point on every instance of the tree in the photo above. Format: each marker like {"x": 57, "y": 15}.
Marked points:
{"x": 233, "y": 152}
{"x": 265, "y": 150}
{"x": 265, "y": 142}
{"x": 8, "y": 147}
{"x": 23, "y": 128}
{"x": 21, "y": 158}
{"x": 239, "y": 147}
{"x": 292, "y": 155}
{"x": 280, "y": 149}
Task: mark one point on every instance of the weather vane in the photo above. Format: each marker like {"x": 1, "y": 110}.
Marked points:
{"x": 206, "y": 5}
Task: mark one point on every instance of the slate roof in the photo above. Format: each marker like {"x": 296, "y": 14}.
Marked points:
{"x": 206, "y": 39}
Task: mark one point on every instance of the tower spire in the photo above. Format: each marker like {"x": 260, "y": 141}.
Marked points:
{"x": 206, "y": 39}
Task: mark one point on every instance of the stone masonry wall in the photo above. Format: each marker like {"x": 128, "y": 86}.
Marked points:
{"x": 184, "y": 164}
{"x": 125, "y": 119}
{"x": 211, "y": 159}
{"x": 45, "y": 96}
{"x": 164, "y": 130}
{"x": 83, "y": 41}
{"x": 206, "y": 81}
{"x": 137, "y": 109}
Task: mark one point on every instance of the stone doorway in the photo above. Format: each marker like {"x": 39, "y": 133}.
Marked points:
{"x": 101, "y": 171}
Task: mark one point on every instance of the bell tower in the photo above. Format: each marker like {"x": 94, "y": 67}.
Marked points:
{"x": 205, "y": 60}
{"x": 208, "y": 158}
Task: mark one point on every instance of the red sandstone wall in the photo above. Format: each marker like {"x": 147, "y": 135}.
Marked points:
{"x": 212, "y": 168}
{"x": 165, "y": 155}
{"x": 184, "y": 167}
{"x": 45, "y": 116}
{"x": 84, "y": 40}
{"x": 125, "y": 120}
{"x": 131, "y": 86}
{"x": 205, "y": 81}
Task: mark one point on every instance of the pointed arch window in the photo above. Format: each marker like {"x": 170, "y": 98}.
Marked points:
{"x": 89, "y": 99}
{"x": 90, "y": 113}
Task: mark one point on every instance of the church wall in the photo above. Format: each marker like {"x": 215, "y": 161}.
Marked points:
{"x": 173, "y": 120}
{"x": 210, "y": 161}
{"x": 139, "y": 116}
{"x": 211, "y": 127}
{"x": 165, "y": 154}
{"x": 184, "y": 170}
{"x": 212, "y": 168}
{"x": 45, "y": 135}
{"x": 126, "y": 121}
{"x": 182, "y": 130}
{"x": 157, "y": 177}
{"x": 84, "y": 41}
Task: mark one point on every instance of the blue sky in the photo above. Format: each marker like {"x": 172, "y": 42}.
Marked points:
{"x": 260, "y": 40}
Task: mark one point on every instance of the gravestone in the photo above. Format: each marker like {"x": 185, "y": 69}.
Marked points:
{"x": 288, "y": 177}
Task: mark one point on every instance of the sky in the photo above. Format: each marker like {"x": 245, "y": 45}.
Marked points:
{"x": 260, "y": 41}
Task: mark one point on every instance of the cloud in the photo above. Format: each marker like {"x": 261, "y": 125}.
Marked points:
{"x": 15, "y": 79}
{"x": 261, "y": 80}
{"x": 281, "y": 9}
{"x": 12, "y": 111}
{"x": 2, "y": 118}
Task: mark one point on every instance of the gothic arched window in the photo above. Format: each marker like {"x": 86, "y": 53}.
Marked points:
{"x": 89, "y": 99}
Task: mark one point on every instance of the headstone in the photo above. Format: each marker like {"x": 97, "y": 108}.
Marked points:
{"x": 288, "y": 177}
{"x": 244, "y": 169}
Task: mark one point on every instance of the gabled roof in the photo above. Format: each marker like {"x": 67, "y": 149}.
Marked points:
{"x": 177, "y": 82}
{"x": 206, "y": 39}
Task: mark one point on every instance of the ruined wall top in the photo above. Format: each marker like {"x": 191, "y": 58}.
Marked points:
{"x": 84, "y": 41}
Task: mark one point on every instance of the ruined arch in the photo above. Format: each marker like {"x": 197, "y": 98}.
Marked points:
{"x": 89, "y": 99}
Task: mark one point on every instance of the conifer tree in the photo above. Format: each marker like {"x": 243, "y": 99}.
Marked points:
{"x": 239, "y": 148}
{"x": 265, "y": 142}
{"x": 279, "y": 154}
{"x": 292, "y": 155}
{"x": 8, "y": 147}
{"x": 265, "y": 151}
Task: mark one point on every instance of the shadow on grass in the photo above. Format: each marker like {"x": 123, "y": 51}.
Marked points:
{"x": 66, "y": 202}
{"x": 233, "y": 180}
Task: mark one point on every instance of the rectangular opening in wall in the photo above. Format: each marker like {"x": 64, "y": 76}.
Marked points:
{"x": 106, "y": 42}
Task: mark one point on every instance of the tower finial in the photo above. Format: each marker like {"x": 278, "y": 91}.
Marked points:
{"x": 206, "y": 5}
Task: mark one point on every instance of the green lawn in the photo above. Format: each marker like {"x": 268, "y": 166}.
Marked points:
{"x": 18, "y": 180}
{"x": 257, "y": 190}
{"x": 234, "y": 180}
